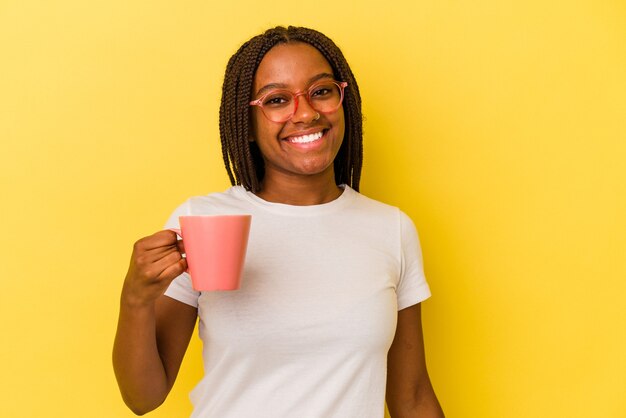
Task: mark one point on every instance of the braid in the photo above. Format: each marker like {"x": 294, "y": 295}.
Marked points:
{"x": 242, "y": 158}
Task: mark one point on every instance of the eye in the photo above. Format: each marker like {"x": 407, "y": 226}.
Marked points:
{"x": 321, "y": 91}
{"x": 324, "y": 91}
{"x": 276, "y": 100}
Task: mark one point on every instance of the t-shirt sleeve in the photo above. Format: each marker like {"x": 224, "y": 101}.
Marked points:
{"x": 180, "y": 288}
{"x": 412, "y": 286}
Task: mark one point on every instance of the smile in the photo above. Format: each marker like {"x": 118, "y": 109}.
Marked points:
{"x": 305, "y": 139}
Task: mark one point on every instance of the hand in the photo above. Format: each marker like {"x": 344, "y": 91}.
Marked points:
{"x": 156, "y": 261}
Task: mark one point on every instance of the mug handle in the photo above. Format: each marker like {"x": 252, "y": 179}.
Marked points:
{"x": 178, "y": 232}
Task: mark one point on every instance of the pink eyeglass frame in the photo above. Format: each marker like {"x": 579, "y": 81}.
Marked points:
{"x": 259, "y": 102}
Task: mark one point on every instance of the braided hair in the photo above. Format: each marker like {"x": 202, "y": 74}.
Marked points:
{"x": 242, "y": 158}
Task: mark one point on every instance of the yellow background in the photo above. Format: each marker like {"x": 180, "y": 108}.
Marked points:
{"x": 498, "y": 126}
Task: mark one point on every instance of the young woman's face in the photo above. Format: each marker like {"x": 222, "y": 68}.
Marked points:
{"x": 306, "y": 144}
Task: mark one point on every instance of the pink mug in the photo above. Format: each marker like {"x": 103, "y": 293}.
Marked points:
{"x": 215, "y": 247}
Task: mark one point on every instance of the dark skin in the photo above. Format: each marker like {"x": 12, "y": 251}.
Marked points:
{"x": 154, "y": 330}
{"x": 297, "y": 174}
{"x": 409, "y": 391}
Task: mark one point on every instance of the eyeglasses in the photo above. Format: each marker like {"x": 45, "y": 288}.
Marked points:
{"x": 280, "y": 105}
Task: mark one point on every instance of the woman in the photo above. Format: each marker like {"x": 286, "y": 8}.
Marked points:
{"x": 327, "y": 321}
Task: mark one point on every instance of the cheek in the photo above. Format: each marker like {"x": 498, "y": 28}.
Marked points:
{"x": 264, "y": 134}
{"x": 261, "y": 131}
{"x": 340, "y": 125}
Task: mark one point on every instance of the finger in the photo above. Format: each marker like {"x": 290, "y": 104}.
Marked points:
{"x": 181, "y": 246}
{"x": 157, "y": 240}
{"x": 174, "y": 270}
{"x": 178, "y": 245}
{"x": 155, "y": 272}
{"x": 145, "y": 252}
{"x": 148, "y": 260}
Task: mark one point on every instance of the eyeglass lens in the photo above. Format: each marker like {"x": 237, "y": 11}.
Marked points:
{"x": 280, "y": 105}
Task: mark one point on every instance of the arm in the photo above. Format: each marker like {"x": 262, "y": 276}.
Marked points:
{"x": 409, "y": 391}
{"x": 153, "y": 330}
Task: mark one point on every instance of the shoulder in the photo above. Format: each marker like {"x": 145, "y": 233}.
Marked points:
{"x": 394, "y": 218}
{"x": 232, "y": 200}
{"x": 227, "y": 202}
{"x": 363, "y": 202}
{"x": 216, "y": 202}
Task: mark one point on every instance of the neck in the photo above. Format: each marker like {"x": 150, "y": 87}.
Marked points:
{"x": 298, "y": 191}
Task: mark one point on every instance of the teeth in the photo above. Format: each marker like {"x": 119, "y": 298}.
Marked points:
{"x": 306, "y": 138}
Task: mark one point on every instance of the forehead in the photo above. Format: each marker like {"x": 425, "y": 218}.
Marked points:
{"x": 291, "y": 65}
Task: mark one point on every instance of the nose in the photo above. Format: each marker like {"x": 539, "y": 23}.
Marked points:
{"x": 304, "y": 113}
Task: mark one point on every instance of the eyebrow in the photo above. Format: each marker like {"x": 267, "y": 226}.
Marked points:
{"x": 284, "y": 86}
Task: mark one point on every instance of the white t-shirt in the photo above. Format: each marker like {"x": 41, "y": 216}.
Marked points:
{"x": 307, "y": 334}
